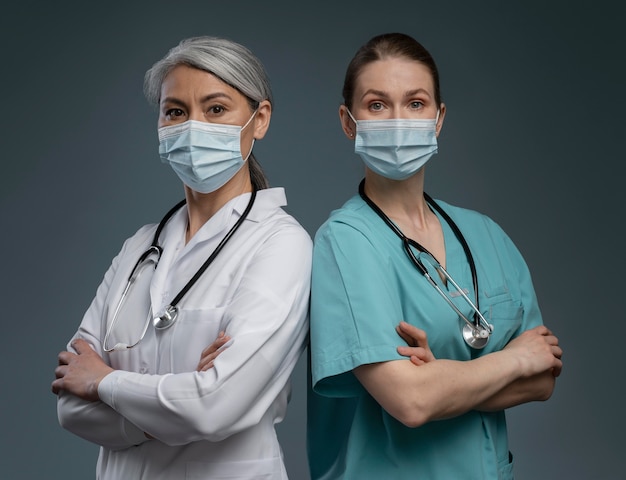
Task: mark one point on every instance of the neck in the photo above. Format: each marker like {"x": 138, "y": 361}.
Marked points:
{"x": 401, "y": 200}
{"x": 202, "y": 206}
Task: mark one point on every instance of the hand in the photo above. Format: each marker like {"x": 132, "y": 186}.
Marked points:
{"x": 210, "y": 353}
{"x": 418, "y": 350}
{"x": 80, "y": 373}
{"x": 539, "y": 351}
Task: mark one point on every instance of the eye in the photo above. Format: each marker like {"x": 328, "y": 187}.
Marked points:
{"x": 216, "y": 110}
{"x": 416, "y": 105}
{"x": 376, "y": 106}
{"x": 174, "y": 113}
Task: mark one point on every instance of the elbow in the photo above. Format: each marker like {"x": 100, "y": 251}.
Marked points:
{"x": 413, "y": 419}
{"x": 411, "y": 415}
{"x": 412, "y": 422}
{"x": 66, "y": 416}
{"x": 546, "y": 388}
{"x": 65, "y": 421}
{"x": 546, "y": 394}
{"x": 214, "y": 427}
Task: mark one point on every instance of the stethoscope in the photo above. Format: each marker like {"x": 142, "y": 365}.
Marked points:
{"x": 475, "y": 333}
{"x": 152, "y": 255}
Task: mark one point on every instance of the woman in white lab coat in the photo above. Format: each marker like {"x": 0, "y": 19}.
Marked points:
{"x": 185, "y": 373}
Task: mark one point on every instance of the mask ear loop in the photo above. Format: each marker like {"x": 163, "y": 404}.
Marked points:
{"x": 244, "y": 126}
{"x": 356, "y": 124}
{"x": 350, "y": 115}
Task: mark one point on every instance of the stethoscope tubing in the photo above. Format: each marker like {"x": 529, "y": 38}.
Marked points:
{"x": 168, "y": 317}
{"x": 480, "y": 328}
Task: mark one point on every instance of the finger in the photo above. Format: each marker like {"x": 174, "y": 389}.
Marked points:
{"x": 545, "y": 330}
{"x": 62, "y": 358}
{"x": 65, "y": 357}
{"x": 60, "y": 371}
{"x": 81, "y": 346}
{"x": 557, "y": 352}
{"x": 408, "y": 351}
{"x": 416, "y": 361}
{"x": 405, "y": 337}
{"x": 56, "y": 386}
{"x": 221, "y": 339}
{"x": 206, "y": 362}
{"x": 207, "y": 359}
{"x": 417, "y": 334}
{"x": 411, "y": 334}
{"x": 206, "y": 367}
{"x": 424, "y": 354}
{"x": 551, "y": 339}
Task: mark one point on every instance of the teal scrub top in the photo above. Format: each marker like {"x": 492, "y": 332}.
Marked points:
{"x": 363, "y": 285}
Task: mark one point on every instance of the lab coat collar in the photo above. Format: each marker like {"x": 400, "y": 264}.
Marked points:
{"x": 173, "y": 237}
{"x": 267, "y": 201}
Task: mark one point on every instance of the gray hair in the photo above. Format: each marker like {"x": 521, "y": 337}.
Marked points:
{"x": 229, "y": 61}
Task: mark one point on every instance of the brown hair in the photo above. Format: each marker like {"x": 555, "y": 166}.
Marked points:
{"x": 385, "y": 46}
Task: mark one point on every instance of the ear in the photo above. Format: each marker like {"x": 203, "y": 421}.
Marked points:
{"x": 262, "y": 119}
{"x": 347, "y": 124}
{"x": 442, "y": 114}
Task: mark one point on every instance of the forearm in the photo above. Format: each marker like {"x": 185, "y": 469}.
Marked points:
{"x": 97, "y": 423}
{"x": 196, "y": 405}
{"x": 536, "y": 351}
{"x": 437, "y": 390}
{"x": 522, "y": 390}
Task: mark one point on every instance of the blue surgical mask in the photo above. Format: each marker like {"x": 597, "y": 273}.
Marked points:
{"x": 395, "y": 148}
{"x": 204, "y": 155}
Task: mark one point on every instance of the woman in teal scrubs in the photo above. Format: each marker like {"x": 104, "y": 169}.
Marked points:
{"x": 397, "y": 391}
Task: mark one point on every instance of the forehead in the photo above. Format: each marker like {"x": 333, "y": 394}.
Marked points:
{"x": 396, "y": 73}
{"x": 187, "y": 79}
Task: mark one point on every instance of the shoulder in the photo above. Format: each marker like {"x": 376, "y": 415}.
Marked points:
{"x": 482, "y": 232}
{"x": 140, "y": 239}
{"x": 353, "y": 219}
{"x": 270, "y": 216}
{"x": 471, "y": 219}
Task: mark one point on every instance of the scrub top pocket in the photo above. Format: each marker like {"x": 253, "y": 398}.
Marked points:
{"x": 504, "y": 312}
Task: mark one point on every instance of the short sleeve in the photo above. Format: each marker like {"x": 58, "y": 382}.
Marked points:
{"x": 354, "y": 307}
{"x": 532, "y": 315}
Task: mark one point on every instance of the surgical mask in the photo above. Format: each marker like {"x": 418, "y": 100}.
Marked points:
{"x": 395, "y": 148}
{"x": 204, "y": 155}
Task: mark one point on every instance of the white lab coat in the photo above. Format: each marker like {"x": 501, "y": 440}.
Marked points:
{"x": 214, "y": 424}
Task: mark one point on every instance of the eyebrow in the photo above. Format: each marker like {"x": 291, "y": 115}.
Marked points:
{"x": 372, "y": 91}
{"x": 411, "y": 93}
{"x": 408, "y": 93}
{"x": 206, "y": 98}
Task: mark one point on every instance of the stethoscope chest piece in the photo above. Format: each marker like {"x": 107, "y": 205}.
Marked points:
{"x": 166, "y": 319}
{"x": 476, "y": 337}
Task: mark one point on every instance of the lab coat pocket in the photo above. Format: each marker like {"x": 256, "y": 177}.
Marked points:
{"x": 194, "y": 331}
{"x": 261, "y": 469}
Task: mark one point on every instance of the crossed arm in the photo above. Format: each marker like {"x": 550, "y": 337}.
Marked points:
{"x": 524, "y": 371}
{"x": 80, "y": 373}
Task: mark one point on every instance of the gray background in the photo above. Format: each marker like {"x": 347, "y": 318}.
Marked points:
{"x": 534, "y": 137}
